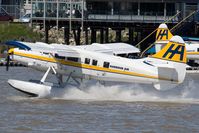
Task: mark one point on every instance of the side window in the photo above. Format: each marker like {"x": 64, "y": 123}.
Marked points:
{"x": 106, "y": 64}
{"x": 74, "y": 59}
{"x": 94, "y": 63}
{"x": 59, "y": 57}
{"x": 87, "y": 61}
{"x": 198, "y": 50}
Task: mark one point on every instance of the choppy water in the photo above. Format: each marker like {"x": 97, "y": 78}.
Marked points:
{"x": 115, "y": 109}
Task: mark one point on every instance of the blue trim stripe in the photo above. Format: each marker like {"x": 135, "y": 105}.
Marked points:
{"x": 190, "y": 39}
{"x": 18, "y": 44}
{"x": 152, "y": 50}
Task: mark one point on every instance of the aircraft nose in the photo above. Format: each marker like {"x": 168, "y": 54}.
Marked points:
{"x": 11, "y": 51}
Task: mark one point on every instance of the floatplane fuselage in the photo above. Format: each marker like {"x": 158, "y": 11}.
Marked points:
{"x": 92, "y": 65}
{"x": 164, "y": 70}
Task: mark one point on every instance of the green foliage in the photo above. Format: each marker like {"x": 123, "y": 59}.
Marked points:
{"x": 17, "y": 31}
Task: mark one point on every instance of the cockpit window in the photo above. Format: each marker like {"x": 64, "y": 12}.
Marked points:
{"x": 45, "y": 53}
{"x": 59, "y": 57}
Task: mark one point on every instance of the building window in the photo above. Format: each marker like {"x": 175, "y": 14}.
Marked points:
{"x": 64, "y": 10}
{"x": 98, "y": 7}
{"x": 87, "y": 61}
{"x": 170, "y": 8}
{"x": 37, "y": 9}
{"x": 133, "y": 8}
{"x": 94, "y": 63}
{"x": 106, "y": 64}
{"x": 152, "y": 9}
{"x": 51, "y": 9}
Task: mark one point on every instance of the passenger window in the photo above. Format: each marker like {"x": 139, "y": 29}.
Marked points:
{"x": 87, "y": 61}
{"x": 106, "y": 64}
{"x": 74, "y": 59}
{"x": 94, "y": 63}
{"x": 198, "y": 50}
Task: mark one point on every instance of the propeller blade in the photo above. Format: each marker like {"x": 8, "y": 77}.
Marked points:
{"x": 8, "y": 62}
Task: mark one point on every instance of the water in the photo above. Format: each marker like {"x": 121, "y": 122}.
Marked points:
{"x": 116, "y": 109}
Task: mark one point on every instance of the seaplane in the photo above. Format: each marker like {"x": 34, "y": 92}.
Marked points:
{"x": 163, "y": 35}
{"x": 164, "y": 70}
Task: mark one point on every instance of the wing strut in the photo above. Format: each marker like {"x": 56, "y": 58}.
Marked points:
{"x": 45, "y": 75}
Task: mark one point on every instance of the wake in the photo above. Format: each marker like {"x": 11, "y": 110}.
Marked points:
{"x": 93, "y": 91}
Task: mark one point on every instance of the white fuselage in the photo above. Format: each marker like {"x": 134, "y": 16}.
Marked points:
{"x": 192, "y": 50}
{"x": 99, "y": 66}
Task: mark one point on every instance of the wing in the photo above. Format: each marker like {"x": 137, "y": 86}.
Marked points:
{"x": 95, "y": 47}
{"x": 111, "y": 48}
{"x": 38, "y": 46}
{"x": 66, "y": 51}
{"x": 122, "y": 48}
{"x": 61, "y": 50}
{"x": 18, "y": 44}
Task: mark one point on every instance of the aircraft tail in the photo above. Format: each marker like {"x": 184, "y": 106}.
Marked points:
{"x": 163, "y": 35}
{"x": 173, "y": 51}
{"x": 175, "y": 68}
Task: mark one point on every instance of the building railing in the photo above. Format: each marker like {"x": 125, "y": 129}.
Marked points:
{"x": 12, "y": 10}
{"x": 129, "y": 18}
{"x": 130, "y": 12}
{"x": 106, "y": 17}
{"x": 61, "y": 14}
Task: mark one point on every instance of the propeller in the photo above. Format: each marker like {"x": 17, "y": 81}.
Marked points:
{"x": 7, "y": 62}
{"x": 9, "y": 53}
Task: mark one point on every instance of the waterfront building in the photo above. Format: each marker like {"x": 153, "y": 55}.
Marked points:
{"x": 139, "y": 16}
{"x": 12, "y": 7}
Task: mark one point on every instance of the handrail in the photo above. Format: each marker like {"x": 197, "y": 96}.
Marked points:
{"x": 4, "y": 10}
{"x": 171, "y": 30}
{"x": 184, "y": 19}
{"x": 156, "y": 29}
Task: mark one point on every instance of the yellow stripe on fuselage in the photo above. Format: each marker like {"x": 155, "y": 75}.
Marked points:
{"x": 85, "y": 66}
{"x": 195, "y": 53}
